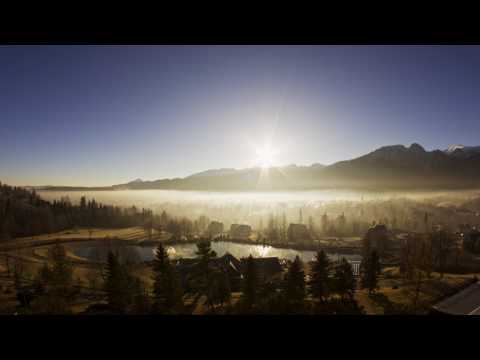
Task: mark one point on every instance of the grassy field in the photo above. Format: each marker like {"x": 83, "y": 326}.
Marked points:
{"x": 131, "y": 233}
{"x": 393, "y": 289}
{"x": 29, "y": 254}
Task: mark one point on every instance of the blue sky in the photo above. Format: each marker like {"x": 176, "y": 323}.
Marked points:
{"x": 101, "y": 115}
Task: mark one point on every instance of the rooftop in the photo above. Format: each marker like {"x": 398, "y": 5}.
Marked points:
{"x": 465, "y": 302}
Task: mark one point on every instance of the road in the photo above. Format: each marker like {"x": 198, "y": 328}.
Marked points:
{"x": 465, "y": 302}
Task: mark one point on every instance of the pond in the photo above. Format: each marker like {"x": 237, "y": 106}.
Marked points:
{"x": 135, "y": 253}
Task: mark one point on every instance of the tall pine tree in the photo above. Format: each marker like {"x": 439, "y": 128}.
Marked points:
{"x": 62, "y": 272}
{"x": 369, "y": 269}
{"x": 295, "y": 289}
{"x": 120, "y": 286}
{"x": 344, "y": 280}
{"x": 249, "y": 297}
{"x": 319, "y": 283}
{"x": 220, "y": 290}
{"x": 167, "y": 290}
{"x": 205, "y": 254}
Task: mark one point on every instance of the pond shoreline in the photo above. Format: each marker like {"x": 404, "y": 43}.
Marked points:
{"x": 348, "y": 250}
{"x": 187, "y": 249}
{"x": 12, "y": 245}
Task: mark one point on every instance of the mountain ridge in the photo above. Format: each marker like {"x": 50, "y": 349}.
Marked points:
{"x": 388, "y": 167}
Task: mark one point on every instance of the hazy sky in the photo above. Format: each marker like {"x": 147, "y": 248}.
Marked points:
{"x": 101, "y": 115}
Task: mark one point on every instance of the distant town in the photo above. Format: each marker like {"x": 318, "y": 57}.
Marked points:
{"x": 99, "y": 259}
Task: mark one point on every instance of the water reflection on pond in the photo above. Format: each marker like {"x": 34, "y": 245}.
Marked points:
{"x": 133, "y": 253}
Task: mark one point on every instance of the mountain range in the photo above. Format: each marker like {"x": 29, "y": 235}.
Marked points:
{"x": 388, "y": 168}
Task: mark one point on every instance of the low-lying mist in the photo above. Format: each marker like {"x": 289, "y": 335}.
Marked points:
{"x": 404, "y": 210}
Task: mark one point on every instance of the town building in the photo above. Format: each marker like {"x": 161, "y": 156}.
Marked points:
{"x": 190, "y": 270}
{"x": 377, "y": 237}
{"x": 268, "y": 269}
{"x": 215, "y": 228}
{"x": 298, "y": 233}
{"x": 240, "y": 232}
{"x": 470, "y": 239}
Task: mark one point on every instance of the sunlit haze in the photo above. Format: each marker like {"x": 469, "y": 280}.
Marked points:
{"x": 239, "y": 180}
{"x": 266, "y": 156}
{"x": 103, "y": 115}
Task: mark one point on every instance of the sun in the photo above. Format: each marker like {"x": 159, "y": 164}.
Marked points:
{"x": 265, "y": 156}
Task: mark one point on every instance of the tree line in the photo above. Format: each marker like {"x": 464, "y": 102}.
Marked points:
{"x": 24, "y": 213}
{"x": 328, "y": 290}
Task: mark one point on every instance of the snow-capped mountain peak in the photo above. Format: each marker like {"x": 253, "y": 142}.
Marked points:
{"x": 462, "y": 151}
{"x": 452, "y": 148}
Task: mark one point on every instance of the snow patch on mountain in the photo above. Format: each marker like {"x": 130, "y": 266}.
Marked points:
{"x": 452, "y": 148}
{"x": 462, "y": 150}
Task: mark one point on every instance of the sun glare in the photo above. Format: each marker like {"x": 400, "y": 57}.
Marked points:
{"x": 266, "y": 156}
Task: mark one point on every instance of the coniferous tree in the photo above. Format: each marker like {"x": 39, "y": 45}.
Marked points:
{"x": 54, "y": 285}
{"x": 62, "y": 272}
{"x": 376, "y": 262}
{"x": 249, "y": 296}
{"x": 148, "y": 226}
{"x": 43, "y": 278}
{"x": 119, "y": 285}
{"x": 370, "y": 270}
{"x": 141, "y": 300}
{"x": 284, "y": 228}
{"x": 273, "y": 231}
{"x": 113, "y": 284}
{"x": 206, "y": 255}
{"x": 224, "y": 289}
{"x": 161, "y": 259}
{"x": 220, "y": 292}
{"x": 295, "y": 284}
{"x": 205, "y": 252}
{"x": 344, "y": 280}
{"x": 311, "y": 227}
{"x": 325, "y": 224}
{"x": 365, "y": 272}
{"x": 269, "y": 298}
{"x": 167, "y": 290}
{"x": 319, "y": 283}
{"x": 160, "y": 264}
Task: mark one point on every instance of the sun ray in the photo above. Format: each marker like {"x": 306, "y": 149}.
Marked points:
{"x": 266, "y": 156}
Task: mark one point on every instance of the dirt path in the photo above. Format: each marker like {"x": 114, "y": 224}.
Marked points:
{"x": 369, "y": 306}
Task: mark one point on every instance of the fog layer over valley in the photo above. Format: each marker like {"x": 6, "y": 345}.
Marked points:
{"x": 353, "y": 211}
